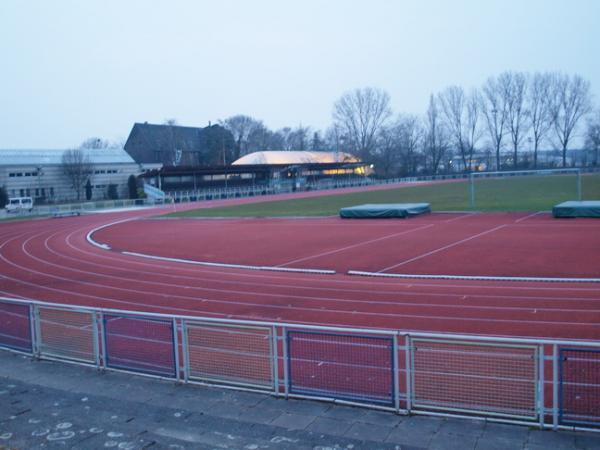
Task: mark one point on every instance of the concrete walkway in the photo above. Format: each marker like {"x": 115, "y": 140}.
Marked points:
{"x": 55, "y": 405}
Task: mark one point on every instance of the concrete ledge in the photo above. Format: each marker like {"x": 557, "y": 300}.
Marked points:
{"x": 231, "y": 266}
{"x": 472, "y": 278}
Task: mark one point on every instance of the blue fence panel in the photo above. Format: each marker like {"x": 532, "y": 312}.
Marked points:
{"x": 140, "y": 344}
{"x": 15, "y": 327}
{"x": 341, "y": 366}
{"x": 580, "y": 386}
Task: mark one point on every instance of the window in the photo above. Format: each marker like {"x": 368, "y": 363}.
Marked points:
{"x": 51, "y": 192}
{"x": 43, "y": 192}
{"x": 28, "y": 192}
{"x": 37, "y": 192}
{"x": 21, "y": 192}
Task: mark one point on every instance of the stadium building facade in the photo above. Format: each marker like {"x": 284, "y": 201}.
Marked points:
{"x": 284, "y": 169}
{"x": 39, "y": 174}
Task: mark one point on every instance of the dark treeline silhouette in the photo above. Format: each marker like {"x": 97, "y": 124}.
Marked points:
{"x": 515, "y": 120}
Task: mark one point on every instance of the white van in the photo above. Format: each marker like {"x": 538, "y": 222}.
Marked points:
{"x": 18, "y": 204}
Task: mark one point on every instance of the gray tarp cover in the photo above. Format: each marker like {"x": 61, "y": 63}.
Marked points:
{"x": 589, "y": 208}
{"x": 371, "y": 211}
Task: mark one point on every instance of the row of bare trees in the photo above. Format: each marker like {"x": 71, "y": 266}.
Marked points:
{"x": 508, "y": 111}
{"x": 508, "y": 119}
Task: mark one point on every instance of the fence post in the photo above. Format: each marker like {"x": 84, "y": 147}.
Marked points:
{"x": 185, "y": 350}
{"x": 579, "y": 185}
{"x": 103, "y": 341}
{"x": 176, "y": 349}
{"x": 396, "y": 372}
{"x": 275, "y": 359}
{"x": 285, "y": 362}
{"x": 95, "y": 340}
{"x": 555, "y": 382}
{"x": 408, "y": 344}
{"x": 542, "y": 360}
{"x": 34, "y": 325}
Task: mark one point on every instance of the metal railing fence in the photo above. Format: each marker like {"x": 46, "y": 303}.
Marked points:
{"x": 545, "y": 382}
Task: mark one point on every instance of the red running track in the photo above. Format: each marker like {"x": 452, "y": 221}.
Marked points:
{"x": 50, "y": 260}
{"x": 493, "y": 244}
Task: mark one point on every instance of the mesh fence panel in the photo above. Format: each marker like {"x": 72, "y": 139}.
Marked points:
{"x": 475, "y": 377}
{"x": 346, "y": 367}
{"x": 67, "y": 334}
{"x": 580, "y": 386}
{"x": 140, "y": 344}
{"x": 230, "y": 354}
{"x": 15, "y": 329}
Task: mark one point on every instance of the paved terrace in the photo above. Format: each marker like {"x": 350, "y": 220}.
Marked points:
{"x": 49, "y": 405}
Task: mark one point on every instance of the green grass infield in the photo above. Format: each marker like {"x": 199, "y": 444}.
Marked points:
{"x": 533, "y": 193}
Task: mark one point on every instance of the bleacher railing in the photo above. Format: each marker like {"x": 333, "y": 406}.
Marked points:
{"x": 543, "y": 382}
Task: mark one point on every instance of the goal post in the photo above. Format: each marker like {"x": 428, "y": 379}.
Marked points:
{"x": 508, "y": 187}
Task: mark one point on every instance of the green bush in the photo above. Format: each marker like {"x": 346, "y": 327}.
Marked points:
{"x": 3, "y": 197}
{"x": 112, "y": 192}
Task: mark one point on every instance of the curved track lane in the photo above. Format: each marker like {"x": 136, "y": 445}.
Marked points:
{"x": 50, "y": 260}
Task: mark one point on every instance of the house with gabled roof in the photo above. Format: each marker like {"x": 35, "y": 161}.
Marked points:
{"x": 154, "y": 146}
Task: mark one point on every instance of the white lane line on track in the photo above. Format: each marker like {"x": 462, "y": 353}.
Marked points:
{"x": 342, "y": 301}
{"x": 445, "y": 247}
{"x": 422, "y": 316}
{"x": 335, "y": 300}
{"x": 268, "y": 306}
{"x": 335, "y": 281}
{"x": 172, "y": 309}
{"x": 464, "y": 215}
{"x": 295, "y": 286}
{"x": 522, "y": 219}
{"x": 389, "y": 236}
{"x": 352, "y": 282}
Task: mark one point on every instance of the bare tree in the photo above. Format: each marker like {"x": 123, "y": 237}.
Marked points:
{"x": 539, "y": 101}
{"x": 592, "y": 136}
{"x": 495, "y": 111}
{"x": 387, "y": 151}
{"x": 411, "y": 136}
{"x": 571, "y": 101}
{"x": 96, "y": 143}
{"x": 435, "y": 142}
{"x": 76, "y": 165}
{"x": 298, "y": 138}
{"x": 335, "y": 138}
{"x": 241, "y": 127}
{"x": 317, "y": 143}
{"x": 282, "y": 136}
{"x": 461, "y": 112}
{"x": 360, "y": 114}
{"x": 516, "y": 110}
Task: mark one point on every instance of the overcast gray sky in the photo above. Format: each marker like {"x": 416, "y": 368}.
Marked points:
{"x": 74, "y": 69}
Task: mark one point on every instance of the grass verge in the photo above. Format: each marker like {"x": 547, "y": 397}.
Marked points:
{"x": 507, "y": 194}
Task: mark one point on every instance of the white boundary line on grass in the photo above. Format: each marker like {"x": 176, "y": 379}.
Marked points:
{"x": 472, "y": 277}
{"x": 231, "y": 266}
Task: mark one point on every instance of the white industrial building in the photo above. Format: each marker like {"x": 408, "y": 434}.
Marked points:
{"x": 39, "y": 174}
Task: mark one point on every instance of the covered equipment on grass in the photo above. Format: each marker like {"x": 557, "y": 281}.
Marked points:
{"x": 589, "y": 208}
{"x": 384, "y": 210}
